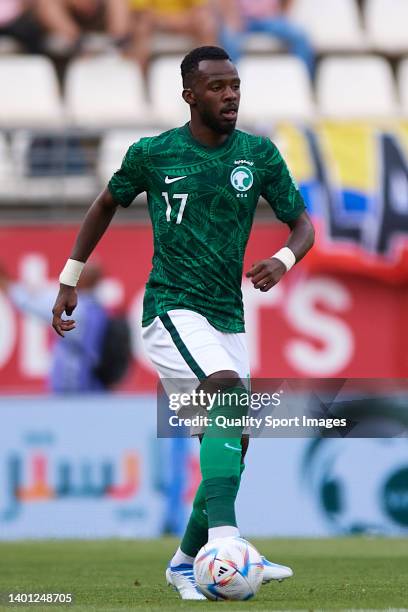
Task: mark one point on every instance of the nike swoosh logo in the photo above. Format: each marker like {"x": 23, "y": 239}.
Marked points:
{"x": 169, "y": 180}
{"x": 232, "y": 447}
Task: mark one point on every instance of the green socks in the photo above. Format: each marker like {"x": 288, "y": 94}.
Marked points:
{"x": 221, "y": 468}
{"x": 220, "y": 456}
{"x": 196, "y": 533}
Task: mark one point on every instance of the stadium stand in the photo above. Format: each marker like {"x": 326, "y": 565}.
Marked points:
{"x": 8, "y": 45}
{"x": 164, "y": 43}
{"x": 82, "y": 111}
{"x": 386, "y": 25}
{"x": 105, "y": 91}
{"x": 262, "y": 44}
{"x": 332, "y": 25}
{"x": 403, "y": 85}
{"x": 7, "y": 182}
{"x": 31, "y": 97}
{"x": 345, "y": 88}
{"x": 167, "y": 105}
{"x": 51, "y": 167}
{"x": 112, "y": 148}
{"x": 285, "y": 86}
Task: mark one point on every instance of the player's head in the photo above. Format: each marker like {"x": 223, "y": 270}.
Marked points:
{"x": 211, "y": 88}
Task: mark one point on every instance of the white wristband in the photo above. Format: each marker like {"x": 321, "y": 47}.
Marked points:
{"x": 287, "y": 257}
{"x": 71, "y": 272}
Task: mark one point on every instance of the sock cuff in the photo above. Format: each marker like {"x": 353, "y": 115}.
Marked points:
{"x": 221, "y": 487}
{"x": 220, "y": 494}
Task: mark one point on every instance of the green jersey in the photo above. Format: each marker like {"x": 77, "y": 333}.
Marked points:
{"x": 202, "y": 202}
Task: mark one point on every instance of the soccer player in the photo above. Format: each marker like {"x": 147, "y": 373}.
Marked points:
{"x": 203, "y": 182}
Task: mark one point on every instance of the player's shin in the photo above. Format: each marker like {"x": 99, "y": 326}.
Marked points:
{"x": 196, "y": 533}
{"x": 220, "y": 461}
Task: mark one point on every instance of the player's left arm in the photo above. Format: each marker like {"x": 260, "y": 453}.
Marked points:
{"x": 301, "y": 237}
{"x": 266, "y": 273}
{"x": 281, "y": 191}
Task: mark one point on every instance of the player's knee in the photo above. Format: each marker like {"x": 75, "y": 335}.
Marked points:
{"x": 228, "y": 388}
{"x": 222, "y": 380}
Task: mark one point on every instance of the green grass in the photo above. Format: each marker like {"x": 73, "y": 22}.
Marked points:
{"x": 129, "y": 575}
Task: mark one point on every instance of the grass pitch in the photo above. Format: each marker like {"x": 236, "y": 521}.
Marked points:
{"x": 117, "y": 575}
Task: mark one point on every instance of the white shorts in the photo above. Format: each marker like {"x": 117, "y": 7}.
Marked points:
{"x": 185, "y": 349}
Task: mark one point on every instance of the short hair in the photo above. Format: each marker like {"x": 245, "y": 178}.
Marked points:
{"x": 190, "y": 63}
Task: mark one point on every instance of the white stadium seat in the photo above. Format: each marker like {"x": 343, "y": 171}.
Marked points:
{"x": 274, "y": 88}
{"x": 403, "y": 85}
{"x": 262, "y": 43}
{"x": 113, "y": 147}
{"x": 163, "y": 43}
{"x": 7, "y": 175}
{"x": 356, "y": 87}
{"x": 386, "y": 23}
{"x": 105, "y": 91}
{"x": 332, "y": 25}
{"x": 30, "y": 92}
{"x": 165, "y": 87}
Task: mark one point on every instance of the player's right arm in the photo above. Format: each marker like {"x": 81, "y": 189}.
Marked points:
{"x": 93, "y": 227}
{"x": 124, "y": 186}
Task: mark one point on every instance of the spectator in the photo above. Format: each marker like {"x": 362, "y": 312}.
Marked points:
{"x": 76, "y": 357}
{"x": 194, "y": 18}
{"x": 242, "y": 17}
{"x": 18, "y": 21}
{"x": 68, "y": 20}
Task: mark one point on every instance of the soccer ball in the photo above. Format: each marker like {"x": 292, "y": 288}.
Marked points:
{"x": 228, "y": 568}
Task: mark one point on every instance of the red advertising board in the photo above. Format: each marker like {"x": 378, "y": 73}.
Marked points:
{"x": 315, "y": 323}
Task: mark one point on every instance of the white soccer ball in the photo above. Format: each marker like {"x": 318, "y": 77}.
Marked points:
{"x": 228, "y": 568}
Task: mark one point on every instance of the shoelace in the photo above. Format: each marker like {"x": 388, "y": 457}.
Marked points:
{"x": 188, "y": 573}
{"x": 269, "y": 563}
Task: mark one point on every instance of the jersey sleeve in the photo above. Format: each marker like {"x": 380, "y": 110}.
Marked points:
{"x": 129, "y": 180}
{"x": 279, "y": 187}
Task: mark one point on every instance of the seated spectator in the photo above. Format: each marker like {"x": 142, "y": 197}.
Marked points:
{"x": 68, "y": 20}
{"x": 18, "y": 21}
{"x": 193, "y": 18}
{"x": 242, "y": 17}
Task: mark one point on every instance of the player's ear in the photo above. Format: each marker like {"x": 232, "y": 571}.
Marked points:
{"x": 189, "y": 96}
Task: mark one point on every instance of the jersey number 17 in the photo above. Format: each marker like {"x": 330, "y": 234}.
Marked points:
{"x": 177, "y": 196}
